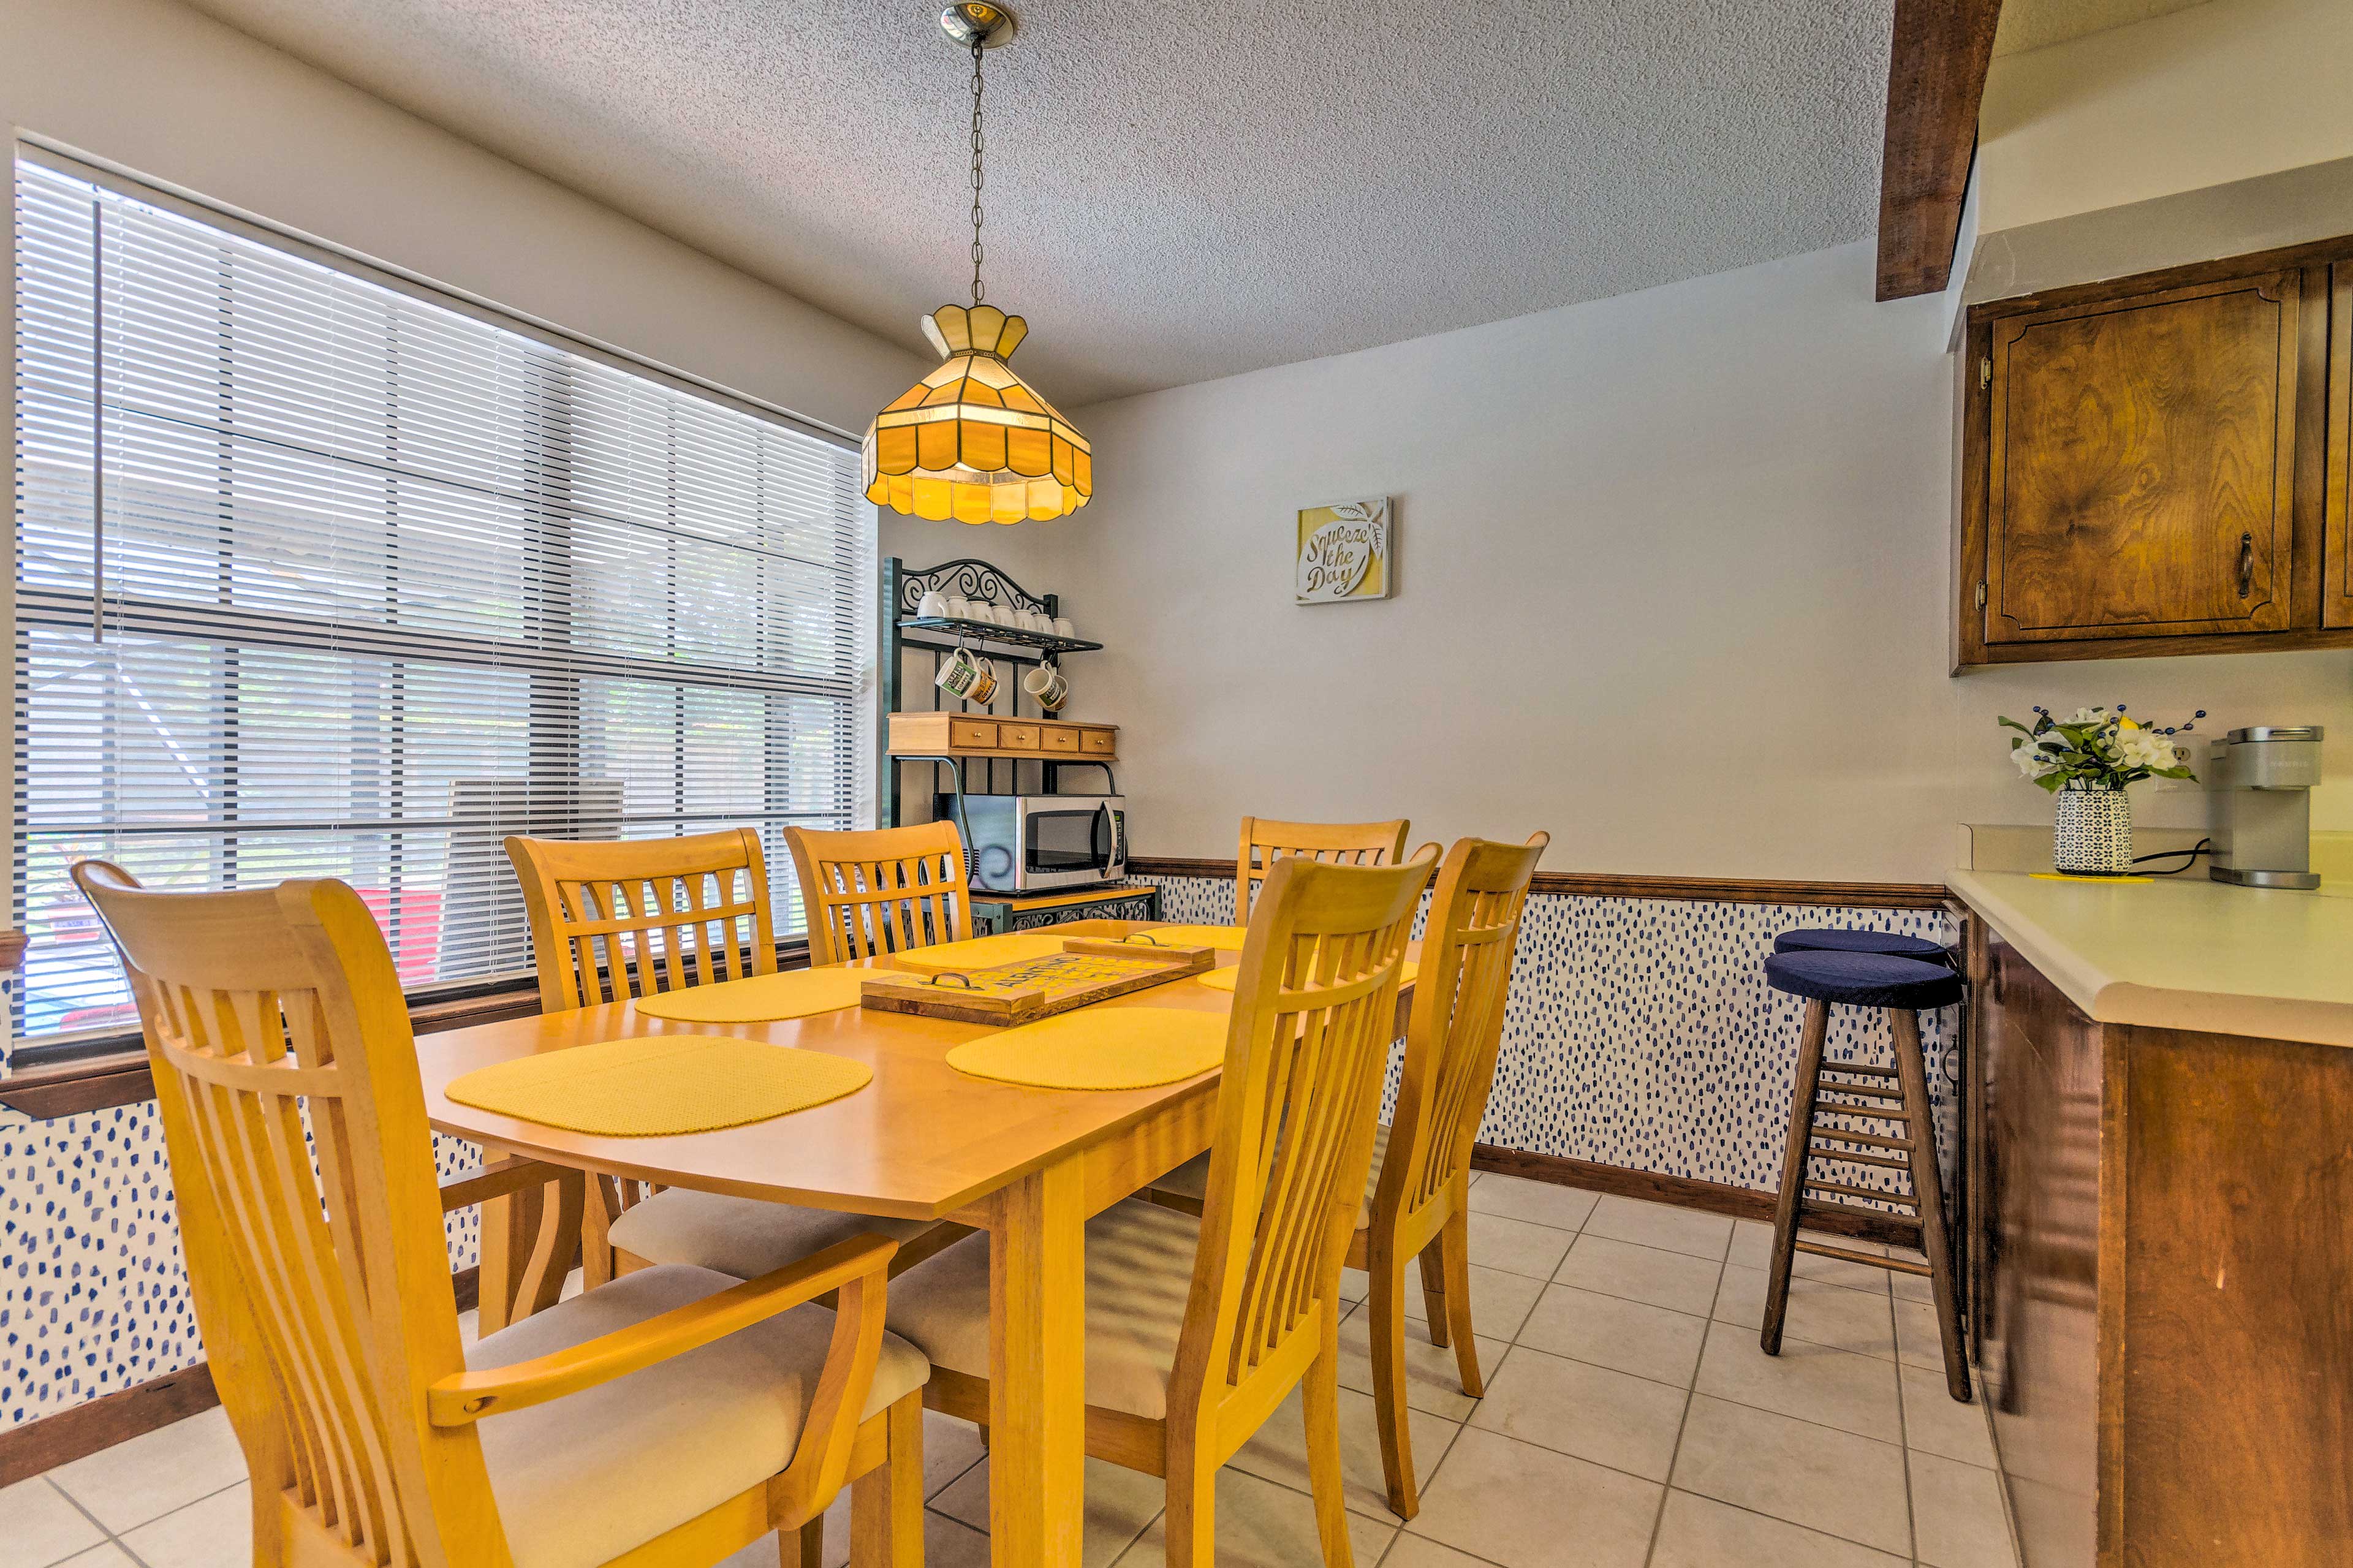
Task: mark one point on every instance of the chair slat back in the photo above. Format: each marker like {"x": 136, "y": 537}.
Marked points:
{"x": 311, "y": 1218}
{"x": 1459, "y": 993}
{"x": 883, "y": 890}
{"x": 616, "y": 919}
{"x": 1314, "y": 1013}
{"x": 1265, "y": 840}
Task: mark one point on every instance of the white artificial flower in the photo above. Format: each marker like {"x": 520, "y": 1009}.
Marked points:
{"x": 2031, "y": 761}
{"x": 2087, "y": 716}
{"x": 2146, "y": 748}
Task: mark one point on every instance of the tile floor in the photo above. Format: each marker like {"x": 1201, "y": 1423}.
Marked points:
{"x": 1629, "y": 1419}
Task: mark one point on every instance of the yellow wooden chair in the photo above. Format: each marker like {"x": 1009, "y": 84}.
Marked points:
{"x": 871, "y": 894}
{"x": 1265, "y": 841}
{"x": 673, "y": 1417}
{"x": 617, "y": 918}
{"x": 1416, "y": 1199}
{"x": 1198, "y": 1329}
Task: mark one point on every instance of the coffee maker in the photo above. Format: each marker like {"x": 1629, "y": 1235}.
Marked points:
{"x": 2260, "y": 784}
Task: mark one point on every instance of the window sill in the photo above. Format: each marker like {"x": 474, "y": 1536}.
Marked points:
{"x": 121, "y": 1077}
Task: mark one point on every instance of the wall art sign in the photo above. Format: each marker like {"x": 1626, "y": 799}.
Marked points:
{"x": 1344, "y": 553}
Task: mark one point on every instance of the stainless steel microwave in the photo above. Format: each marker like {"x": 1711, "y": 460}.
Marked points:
{"x": 1035, "y": 843}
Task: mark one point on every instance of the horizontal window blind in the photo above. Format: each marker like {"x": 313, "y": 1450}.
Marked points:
{"x": 318, "y": 577}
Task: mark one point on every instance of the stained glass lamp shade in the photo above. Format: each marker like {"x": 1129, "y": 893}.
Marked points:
{"x": 971, "y": 441}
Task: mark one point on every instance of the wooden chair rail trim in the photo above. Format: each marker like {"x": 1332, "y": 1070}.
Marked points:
{"x": 1626, "y": 885}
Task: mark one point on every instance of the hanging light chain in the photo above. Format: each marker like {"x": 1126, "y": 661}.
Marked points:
{"x": 978, "y": 291}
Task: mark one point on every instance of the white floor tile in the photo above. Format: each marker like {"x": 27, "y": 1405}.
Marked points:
{"x": 1119, "y": 1504}
{"x": 1277, "y": 1452}
{"x": 1610, "y": 1331}
{"x": 1663, "y": 1278}
{"x": 1836, "y": 1482}
{"x": 155, "y": 1472}
{"x": 215, "y": 1532}
{"x": 1612, "y": 1419}
{"x": 41, "y": 1526}
{"x": 1499, "y": 1302}
{"x": 1752, "y": 1247}
{"x": 1522, "y": 1506}
{"x": 1661, "y": 1226}
{"x": 106, "y": 1555}
{"x": 1916, "y": 1340}
{"x": 1857, "y": 1321}
{"x": 1432, "y": 1377}
{"x": 1813, "y": 1383}
{"x": 1262, "y": 1525}
{"x": 1413, "y": 1550}
{"x": 950, "y": 1448}
{"x": 1515, "y": 1246}
{"x": 1700, "y": 1533}
{"x": 1957, "y": 1510}
{"x": 1538, "y": 1202}
{"x": 1937, "y": 1423}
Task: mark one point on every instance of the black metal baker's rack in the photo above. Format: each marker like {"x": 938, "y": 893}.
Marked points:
{"x": 1018, "y": 646}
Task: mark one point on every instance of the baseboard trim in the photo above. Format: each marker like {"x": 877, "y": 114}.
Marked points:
{"x": 1613, "y": 885}
{"x": 1683, "y": 1192}
{"x": 38, "y": 1445}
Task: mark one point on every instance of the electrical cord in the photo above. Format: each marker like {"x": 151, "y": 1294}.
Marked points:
{"x": 2188, "y": 858}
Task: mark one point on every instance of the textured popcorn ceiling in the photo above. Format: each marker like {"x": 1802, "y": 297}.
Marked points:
{"x": 1176, "y": 191}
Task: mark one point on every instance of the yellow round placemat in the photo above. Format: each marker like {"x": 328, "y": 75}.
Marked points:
{"x": 980, "y": 951}
{"x": 658, "y": 1086}
{"x": 1225, "y": 939}
{"x": 1114, "y": 1048}
{"x": 2071, "y": 877}
{"x": 1225, "y": 978}
{"x": 795, "y": 994}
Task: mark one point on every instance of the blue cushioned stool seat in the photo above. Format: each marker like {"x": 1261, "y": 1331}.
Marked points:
{"x": 1819, "y": 939}
{"x": 1864, "y": 979}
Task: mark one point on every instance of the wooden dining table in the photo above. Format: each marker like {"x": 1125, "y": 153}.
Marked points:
{"x": 922, "y": 1141}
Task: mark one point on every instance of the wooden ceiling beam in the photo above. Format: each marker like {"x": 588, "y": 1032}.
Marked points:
{"x": 1935, "y": 82}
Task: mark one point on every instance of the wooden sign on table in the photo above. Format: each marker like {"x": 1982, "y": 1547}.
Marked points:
{"x": 1085, "y": 971}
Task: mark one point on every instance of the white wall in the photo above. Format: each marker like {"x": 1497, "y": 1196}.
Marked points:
{"x": 2214, "y": 94}
{"x": 1673, "y": 584}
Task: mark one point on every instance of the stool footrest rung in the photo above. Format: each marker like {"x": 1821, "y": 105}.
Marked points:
{"x": 1856, "y": 1156}
{"x": 1871, "y": 1140}
{"x": 1901, "y": 1200}
{"x": 1869, "y": 1260}
{"x": 1822, "y": 1109}
{"x": 1863, "y": 1069}
{"x": 1863, "y": 1092}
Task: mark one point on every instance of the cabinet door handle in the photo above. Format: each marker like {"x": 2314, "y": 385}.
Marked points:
{"x": 2246, "y": 564}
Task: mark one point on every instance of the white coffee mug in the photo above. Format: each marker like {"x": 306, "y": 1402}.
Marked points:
{"x": 1032, "y": 621}
{"x": 1063, "y": 627}
{"x": 958, "y": 608}
{"x": 933, "y": 605}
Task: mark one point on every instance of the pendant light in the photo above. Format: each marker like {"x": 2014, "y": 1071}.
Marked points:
{"x": 971, "y": 441}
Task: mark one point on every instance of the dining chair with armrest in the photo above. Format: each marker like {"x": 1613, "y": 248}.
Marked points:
{"x": 671, "y": 1417}
{"x": 615, "y": 919}
{"x": 1198, "y": 1329}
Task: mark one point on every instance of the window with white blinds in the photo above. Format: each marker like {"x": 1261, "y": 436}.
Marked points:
{"x": 320, "y": 575}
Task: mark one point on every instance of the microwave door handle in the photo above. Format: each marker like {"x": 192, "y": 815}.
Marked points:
{"x": 1109, "y": 839}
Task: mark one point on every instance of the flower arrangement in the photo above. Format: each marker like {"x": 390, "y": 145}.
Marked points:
{"x": 2097, "y": 749}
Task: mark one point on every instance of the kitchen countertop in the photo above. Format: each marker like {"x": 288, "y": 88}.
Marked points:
{"x": 2181, "y": 953}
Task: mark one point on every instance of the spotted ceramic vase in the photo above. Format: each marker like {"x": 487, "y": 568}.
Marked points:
{"x": 2094, "y": 833}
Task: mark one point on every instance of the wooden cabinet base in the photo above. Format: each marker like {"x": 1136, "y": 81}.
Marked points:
{"x": 2167, "y": 1310}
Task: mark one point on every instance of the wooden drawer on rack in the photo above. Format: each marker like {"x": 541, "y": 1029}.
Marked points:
{"x": 933, "y": 733}
{"x": 974, "y": 734}
{"x": 1016, "y": 737}
{"x": 1099, "y": 741}
{"x": 1061, "y": 738}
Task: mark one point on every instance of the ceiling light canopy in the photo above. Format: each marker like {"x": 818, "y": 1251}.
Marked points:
{"x": 972, "y": 440}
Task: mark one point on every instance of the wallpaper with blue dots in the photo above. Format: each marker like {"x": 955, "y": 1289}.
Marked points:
{"x": 1640, "y": 1033}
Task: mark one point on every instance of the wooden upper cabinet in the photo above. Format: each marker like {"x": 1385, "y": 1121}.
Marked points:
{"x": 2337, "y": 532}
{"x": 2143, "y": 458}
{"x": 2159, "y": 465}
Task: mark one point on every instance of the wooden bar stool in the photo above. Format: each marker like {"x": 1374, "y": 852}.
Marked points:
{"x": 1830, "y": 1096}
